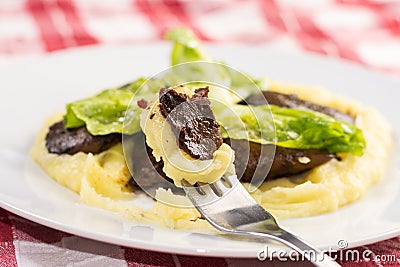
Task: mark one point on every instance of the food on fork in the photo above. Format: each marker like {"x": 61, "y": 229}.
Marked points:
{"x": 198, "y": 154}
{"x": 314, "y": 151}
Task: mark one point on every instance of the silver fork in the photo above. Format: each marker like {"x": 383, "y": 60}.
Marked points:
{"x": 227, "y": 206}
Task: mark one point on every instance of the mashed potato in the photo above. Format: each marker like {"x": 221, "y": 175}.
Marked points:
{"x": 101, "y": 181}
{"x": 324, "y": 189}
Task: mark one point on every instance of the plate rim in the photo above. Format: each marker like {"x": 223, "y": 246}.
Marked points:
{"x": 183, "y": 250}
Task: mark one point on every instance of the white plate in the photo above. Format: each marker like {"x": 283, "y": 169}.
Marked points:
{"x": 34, "y": 89}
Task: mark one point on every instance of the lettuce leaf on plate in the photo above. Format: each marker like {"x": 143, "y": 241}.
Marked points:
{"x": 105, "y": 112}
{"x": 187, "y": 47}
{"x": 291, "y": 128}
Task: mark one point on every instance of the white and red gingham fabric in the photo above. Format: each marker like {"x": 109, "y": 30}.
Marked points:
{"x": 364, "y": 31}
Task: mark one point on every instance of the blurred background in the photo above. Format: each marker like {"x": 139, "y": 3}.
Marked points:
{"x": 363, "y": 31}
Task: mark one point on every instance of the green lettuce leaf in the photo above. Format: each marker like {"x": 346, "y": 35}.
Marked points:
{"x": 102, "y": 114}
{"x": 187, "y": 47}
{"x": 105, "y": 112}
{"x": 291, "y": 128}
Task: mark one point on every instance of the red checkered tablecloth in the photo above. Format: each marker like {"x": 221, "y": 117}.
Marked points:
{"x": 364, "y": 31}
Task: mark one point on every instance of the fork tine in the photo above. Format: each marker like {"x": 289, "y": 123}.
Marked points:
{"x": 208, "y": 191}
{"x": 232, "y": 180}
{"x": 219, "y": 185}
{"x": 198, "y": 199}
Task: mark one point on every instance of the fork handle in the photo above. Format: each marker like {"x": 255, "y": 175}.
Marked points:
{"x": 309, "y": 252}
